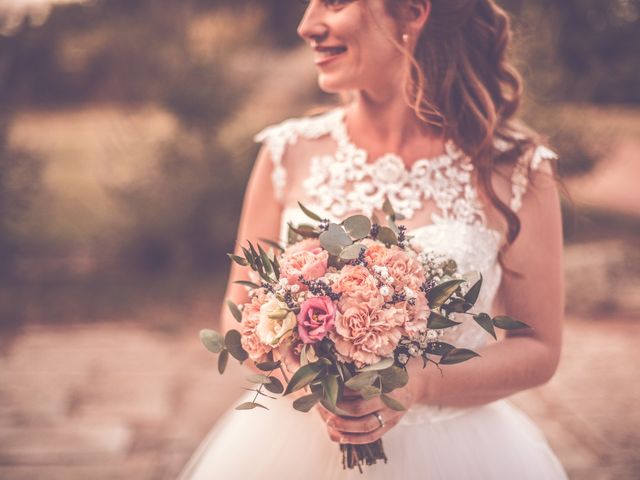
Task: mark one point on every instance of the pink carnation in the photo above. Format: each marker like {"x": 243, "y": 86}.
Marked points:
{"x": 366, "y": 336}
{"x": 307, "y": 245}
{"x": 250, "y": 342}
{"x": 309, "y": 264}
{"x": 404, "y": 268}
{"x": 357, "y": 284}
{"x": 316, "y": 319}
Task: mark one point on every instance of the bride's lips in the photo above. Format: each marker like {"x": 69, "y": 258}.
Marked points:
{"x": 328, "y": 53}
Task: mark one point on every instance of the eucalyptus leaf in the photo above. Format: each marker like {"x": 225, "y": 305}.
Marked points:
{"x": 507, "y": 323}
{"x": 258, "y": 378}
{"x": 250, "y": 406}
{"x": 304, "y": 376}
{"x": 330, "y": 387}
{"x": 472, "y": 295}
{"x": 268, "y": 366}
{"x": 272, "y": 243}
{"x": 223, "y": 359}
{"x": 212, "y": 340}
{"x": 387, "y": 236}
{"x": 234, "y": 345}
{"x": 361, "y": 380}
{"x": 246, "y": 283}
{"x": 352, "y": 251}
{"x": 458, "y": 355}
{"x": 335, "y": 239}
{"x": 235, "y": 311}
{"x": 275, "y": 386}
{"x": 306, "y": 403}
{"x": 266, "y": 261}
{"x": 439, "y": 348}
{"x": 437, "y": 321}
{"x": 393, "y": 377}
{"x": 388, "y": 208}
{"x": 357, "y": 226}
{"x": 305, "y": 231}
{"x": 381, "y": 365}
{"x": 239, "y": 260}
{"x": 486, "y": 323}
{"x": 392, "y": 403}
{"x": 370, "y": 392}
{"x": 442, "y": 292}
{"x": 309, "y": 213}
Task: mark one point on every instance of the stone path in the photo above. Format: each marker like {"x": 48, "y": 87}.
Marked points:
{"x": 125, "y": 401}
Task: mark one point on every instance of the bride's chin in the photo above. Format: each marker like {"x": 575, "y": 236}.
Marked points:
{"x": 331, "y": 85}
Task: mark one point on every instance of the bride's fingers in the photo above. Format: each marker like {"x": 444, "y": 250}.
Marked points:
{"x": 365, "y": 424}
{"x": 360, "y": 437}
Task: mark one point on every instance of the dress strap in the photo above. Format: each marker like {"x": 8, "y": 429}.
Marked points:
{"x": 531, "y": 161}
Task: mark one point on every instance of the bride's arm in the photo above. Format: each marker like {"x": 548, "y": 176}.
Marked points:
{"x": 536, "y": 296}
{"x": 260, "y": 218}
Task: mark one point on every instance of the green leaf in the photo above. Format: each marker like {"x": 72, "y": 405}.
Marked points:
{"x": 392, "y": 403}
{"x": 386, "y": 236}
{"x": 485, "y": 322}
{"x": 330, "y": 387}
{"x": 370, "y": 392}
{"x": 335, "y": 239}
{"x": 268, "y": 366}
{"x": 223, "y": 359}
{"x": 507, "y": 323}
{"x": 234, "y": 345}
{"x": 212, "y": 340}
{"x": 275, "y": 386}
{"x": 381, "y": 365}
{"x": 305, "y": 231}
{"x": 437, "y": 321}
{"x": 272, "y": 243}
{"x": 249, "y": 258}
{"x": 472, "y": 295}
{"x": 250, "y": 406}
{"x": 458, "y": 355}
{"x": 304, "y": 376}
{"x": 357, "y": 226}
{"x": 388, "y": 208}
{"x": 239, "y": 260}
{"x": 456, "y": 305}
{"x": 393, "y": 377}
{"x": 266, "y": 261}
{"x": 441, "y": 292}
{"x": 258, "y": 378}
{"x": 235, "y": 311}
{"x": 439, "y": 348}
{"x": 352, "y": 251}
{"x": 361, "y": 380}
{"x": 246, "y": 283}
{"x": 306, "y": 403}
{"x": 309, "y": 213}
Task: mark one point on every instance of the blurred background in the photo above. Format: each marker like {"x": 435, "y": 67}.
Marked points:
{"x": 125, "y": 144}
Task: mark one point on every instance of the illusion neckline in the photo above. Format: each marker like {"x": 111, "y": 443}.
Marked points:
{"x": 451, "y": 151}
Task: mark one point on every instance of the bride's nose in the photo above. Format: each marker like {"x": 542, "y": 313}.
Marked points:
{"x": 312, "y": 26}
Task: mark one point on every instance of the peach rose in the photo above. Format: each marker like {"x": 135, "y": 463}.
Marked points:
{"x": 250, "y": 342}
{"x": 276, "y": 322}
{"x": 309, "y": 264}
{"x": 356, "y": 284}
{"x": 307, "y": 245}
{"x": 366, "y": 336}
{"x": 376, "y": 253}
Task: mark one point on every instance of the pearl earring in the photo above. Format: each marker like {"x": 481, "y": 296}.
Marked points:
{"x": 405, "y": 37}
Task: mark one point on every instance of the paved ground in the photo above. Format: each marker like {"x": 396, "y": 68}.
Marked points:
{"x": 124, "y": 401}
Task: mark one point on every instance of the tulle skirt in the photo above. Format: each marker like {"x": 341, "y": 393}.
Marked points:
{"x": 494, "y": 441}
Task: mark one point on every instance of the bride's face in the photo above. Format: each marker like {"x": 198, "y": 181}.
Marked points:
{"x": 352, "y": 44}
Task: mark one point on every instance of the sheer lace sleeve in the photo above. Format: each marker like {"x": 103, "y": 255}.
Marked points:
{"x": 275, "y": 138}
{"x": 520, "y": 177}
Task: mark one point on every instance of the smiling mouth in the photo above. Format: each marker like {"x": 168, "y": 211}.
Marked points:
{"x": 329, "y": 52}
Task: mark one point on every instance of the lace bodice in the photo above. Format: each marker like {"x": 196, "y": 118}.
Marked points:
{"x": 343, "y": 181}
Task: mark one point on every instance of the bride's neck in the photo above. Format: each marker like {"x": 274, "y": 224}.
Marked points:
{"x": 389, "y": 125}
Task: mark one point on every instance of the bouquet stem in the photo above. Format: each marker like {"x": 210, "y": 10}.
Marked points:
{"x": 358, "y": 455}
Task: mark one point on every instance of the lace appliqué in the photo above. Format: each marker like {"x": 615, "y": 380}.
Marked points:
{"x": 520, "y": 176}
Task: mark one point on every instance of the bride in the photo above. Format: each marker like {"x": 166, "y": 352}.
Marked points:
{"x": 430, "y": 125}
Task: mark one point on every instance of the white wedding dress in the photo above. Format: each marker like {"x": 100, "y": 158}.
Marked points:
{"x": 444, "y": 213}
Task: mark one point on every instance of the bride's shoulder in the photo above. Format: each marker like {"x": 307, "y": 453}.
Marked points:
{"x": 291, "y": 130}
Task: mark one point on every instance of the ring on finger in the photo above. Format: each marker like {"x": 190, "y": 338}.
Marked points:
{"x": 379, "y": 418}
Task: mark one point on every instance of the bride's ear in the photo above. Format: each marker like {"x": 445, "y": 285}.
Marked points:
{"x": 417, "y": 14}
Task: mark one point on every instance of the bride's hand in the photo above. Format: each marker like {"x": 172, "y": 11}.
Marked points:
{"x": 368, "y": 420}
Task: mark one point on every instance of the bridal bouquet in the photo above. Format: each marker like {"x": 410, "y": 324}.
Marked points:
{"x": 351, "y": 303}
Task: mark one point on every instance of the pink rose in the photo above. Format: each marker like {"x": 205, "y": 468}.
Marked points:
{"x": 357, "y": 284}
{"x": 316, "y": 319}
{"x": 366, "y": 336}
{"x": 309, "y": 264}
{"x": 250, "y": 342}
